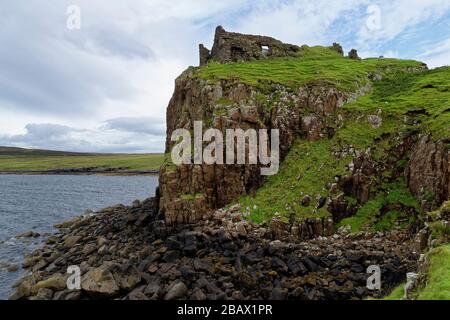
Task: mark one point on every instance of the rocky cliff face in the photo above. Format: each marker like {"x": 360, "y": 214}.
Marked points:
{"x": 428, "y": 172}
{"x": 188, "y": 191}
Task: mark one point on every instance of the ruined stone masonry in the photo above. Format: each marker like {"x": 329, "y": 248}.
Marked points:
{"x": 236, "y": 47}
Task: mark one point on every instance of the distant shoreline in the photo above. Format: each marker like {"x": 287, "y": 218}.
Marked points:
{"x": 82, "y": 172}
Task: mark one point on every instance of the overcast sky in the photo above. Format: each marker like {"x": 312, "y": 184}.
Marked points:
{"x": 105, "y": 87}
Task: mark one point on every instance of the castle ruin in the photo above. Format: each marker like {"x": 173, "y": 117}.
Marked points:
{"x": 236, "y": 47}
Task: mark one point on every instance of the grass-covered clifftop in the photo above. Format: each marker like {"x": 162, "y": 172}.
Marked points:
{"x": 314, "y": 64}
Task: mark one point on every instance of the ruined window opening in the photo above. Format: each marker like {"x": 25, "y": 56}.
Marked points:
{"x": 265, "y": 50}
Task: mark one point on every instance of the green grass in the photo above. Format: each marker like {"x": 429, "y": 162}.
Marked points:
{"x": 368, "y": 216}
{"x": 438, "y": 278}
{"x": 314, "y": 65}
{"x": 397, "y": 293}
{"x": 42, "y": 160}
{"x": 438, "y": 284}
{"x": 440, "y": 230}
{"x": 425, "y": 97}
{"x": 308, "y": 167}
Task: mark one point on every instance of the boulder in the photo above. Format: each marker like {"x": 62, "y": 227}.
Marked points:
{"x": 198, "y": 294}
{"x": 44, "y": 294}
{"x": 126, "y": 276}
{"x": 89, "y": 248}
{"x": 70, "y": 241}
{"x": 177, "y": 290}
{"x": 100, "y": 283}
{"x": 67, "y": 295}
{"x": 57, "y": 282}
{"x": 29, "y": 234}
{"x": 153, "y": 290}
{"x": 306, "y": 201}
{"x": 23, "y": 289}
{"x": 279, "y": 294}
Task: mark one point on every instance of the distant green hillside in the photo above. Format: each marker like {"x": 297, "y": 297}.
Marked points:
{"x": 18, "y": 159}
{"x": 14, "y": 151}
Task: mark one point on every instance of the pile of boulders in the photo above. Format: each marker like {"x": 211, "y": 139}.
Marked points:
{"x": 129, "y": 253}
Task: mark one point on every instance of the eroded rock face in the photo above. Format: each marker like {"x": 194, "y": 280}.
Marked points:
{"x": 358, "y": 184}
{"x": 428, "y": 173}
{"x": 189, "y": 191}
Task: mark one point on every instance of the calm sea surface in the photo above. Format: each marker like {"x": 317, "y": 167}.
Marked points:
{"x": 38, "y": 202}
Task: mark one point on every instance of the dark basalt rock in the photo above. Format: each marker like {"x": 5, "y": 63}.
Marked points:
{"x": 207, "y": 260}
{"x": 353, "y": 54}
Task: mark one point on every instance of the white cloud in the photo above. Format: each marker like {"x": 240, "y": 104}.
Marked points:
{"x": 144, "y": 125}
{"x": 298, "y": 22}
{"x": 398, "y": 17}
{"x": 438, "y": 55}
{"x": 116, "y": 136}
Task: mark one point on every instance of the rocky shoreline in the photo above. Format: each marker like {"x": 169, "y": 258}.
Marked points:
{"x": 130, "y": 253}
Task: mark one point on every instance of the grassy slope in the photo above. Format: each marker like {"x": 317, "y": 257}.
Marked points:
{"x": 438, "y": 286}
{"x": 367, "y": 216}
{"x": 438, "y": 282}
{"x": 427, "y": 94}
{"x": 16, "y": 159}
